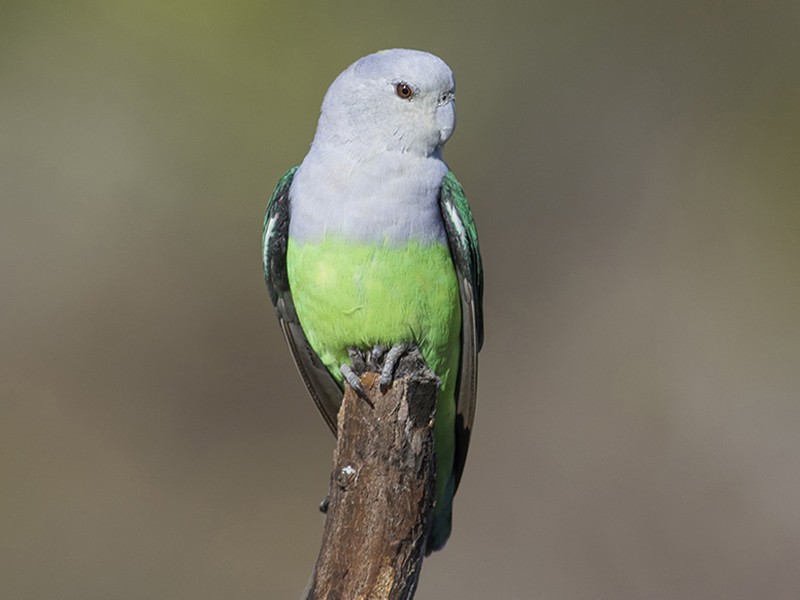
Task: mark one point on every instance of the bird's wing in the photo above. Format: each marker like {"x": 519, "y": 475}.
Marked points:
{"x": 323, "y": 388}
{"x": 463, "y": 239}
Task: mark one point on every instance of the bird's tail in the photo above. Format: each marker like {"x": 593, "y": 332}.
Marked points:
{"x": 442, "y": 518}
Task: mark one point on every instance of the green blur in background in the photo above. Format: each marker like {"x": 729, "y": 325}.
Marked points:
{"x": 634, "y": 170}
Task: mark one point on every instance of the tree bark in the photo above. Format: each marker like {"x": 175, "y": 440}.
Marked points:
{"x": 381, "y": 491}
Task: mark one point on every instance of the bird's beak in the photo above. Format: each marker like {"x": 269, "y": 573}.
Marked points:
{"x": 446, "y": 118}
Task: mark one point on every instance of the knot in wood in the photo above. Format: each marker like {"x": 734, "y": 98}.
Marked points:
{"x": 346, "y": 477}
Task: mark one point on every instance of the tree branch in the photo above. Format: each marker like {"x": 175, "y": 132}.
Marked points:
{"x": 381, "y": 491}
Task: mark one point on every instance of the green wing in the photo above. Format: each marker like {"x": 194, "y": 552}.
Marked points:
{"x": 323, "y": 388}
{"x": 463, "y": 239}
{"x": 275, "y": 237}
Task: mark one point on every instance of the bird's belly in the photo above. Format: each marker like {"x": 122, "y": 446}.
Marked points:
{"x": 365, "y": 294}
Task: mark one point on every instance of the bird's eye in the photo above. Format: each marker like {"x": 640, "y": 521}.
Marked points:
{"x": 404, "y": 91}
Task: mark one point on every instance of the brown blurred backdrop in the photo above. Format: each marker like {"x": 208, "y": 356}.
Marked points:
{"x": 634, "y": 169}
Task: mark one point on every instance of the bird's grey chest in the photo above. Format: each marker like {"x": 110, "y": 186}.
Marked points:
{"x": 392, "y": 205}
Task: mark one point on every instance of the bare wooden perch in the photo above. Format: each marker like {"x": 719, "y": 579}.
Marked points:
{"x": 382, "y": 490}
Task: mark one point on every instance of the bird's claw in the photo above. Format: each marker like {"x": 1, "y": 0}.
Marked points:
{"x": 355, "y": 382}
{"x": 376, "y": 354}
{"x": 390, "y": 364}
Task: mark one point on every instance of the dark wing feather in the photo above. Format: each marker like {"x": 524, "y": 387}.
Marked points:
{"x": 323, "y": 388}
{"x": 463, "y": 239}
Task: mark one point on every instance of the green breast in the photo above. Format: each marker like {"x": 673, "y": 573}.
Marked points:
{"x": 361, "y": 294}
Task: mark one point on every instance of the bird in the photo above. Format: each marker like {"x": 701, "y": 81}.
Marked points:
{"x": 370, "y": 245}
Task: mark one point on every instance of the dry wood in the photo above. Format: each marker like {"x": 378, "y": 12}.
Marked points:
{"x": 382, "y": 490}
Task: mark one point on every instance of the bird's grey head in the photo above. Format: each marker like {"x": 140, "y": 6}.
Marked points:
{"x": 396, "y": 100}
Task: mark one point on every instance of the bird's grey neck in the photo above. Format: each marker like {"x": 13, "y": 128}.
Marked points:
{"x": 377, "y": 197}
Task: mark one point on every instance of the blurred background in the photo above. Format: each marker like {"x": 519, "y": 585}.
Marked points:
{"x": 633, "y": 168}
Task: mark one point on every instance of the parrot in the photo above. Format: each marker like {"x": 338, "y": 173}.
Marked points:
{"x": 370, "y": 244}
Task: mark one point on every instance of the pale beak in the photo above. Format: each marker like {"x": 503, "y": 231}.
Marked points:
{"x": 446, "y": 119}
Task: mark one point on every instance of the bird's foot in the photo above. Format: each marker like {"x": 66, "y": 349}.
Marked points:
{"x": 388, "y": 363}
{"x": 362, "y": 361}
